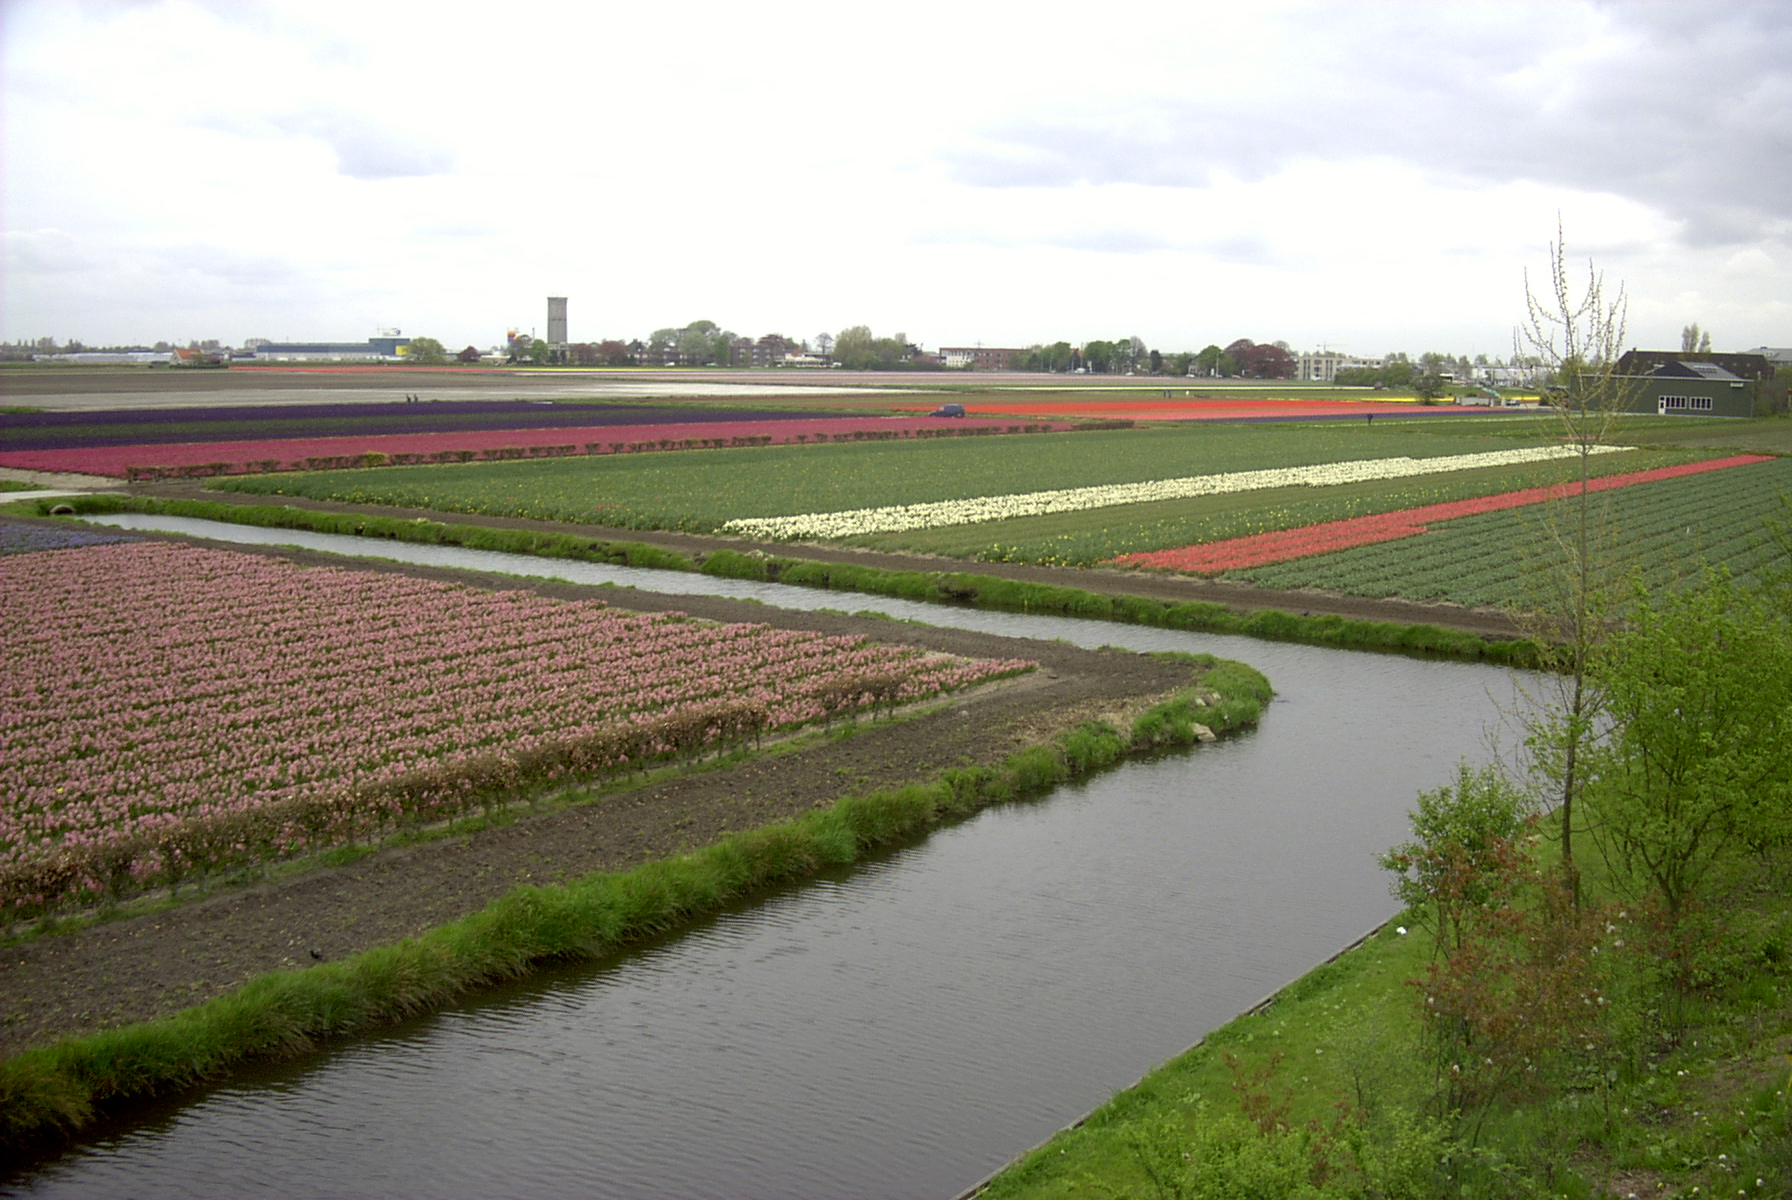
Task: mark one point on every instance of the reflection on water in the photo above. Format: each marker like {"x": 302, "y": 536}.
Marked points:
{"x": 898, "y": 1029}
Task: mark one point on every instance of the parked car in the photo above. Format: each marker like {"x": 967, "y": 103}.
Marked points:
{"x": 948, "y": 410}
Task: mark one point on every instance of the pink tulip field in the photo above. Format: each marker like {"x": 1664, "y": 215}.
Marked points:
{"x": 169, "y": 710}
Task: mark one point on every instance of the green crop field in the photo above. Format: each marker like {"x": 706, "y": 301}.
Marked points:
{"x": 1473, "y": 560}
{"x": 698, "y": 491}
{"x": 1660, "y": 531}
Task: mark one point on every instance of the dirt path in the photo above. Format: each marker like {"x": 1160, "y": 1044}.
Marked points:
{"x": 152, "y": 965}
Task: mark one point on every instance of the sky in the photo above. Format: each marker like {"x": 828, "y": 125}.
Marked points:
{"x": 1363, "y": 177}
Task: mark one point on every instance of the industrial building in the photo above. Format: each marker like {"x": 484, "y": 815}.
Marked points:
{"x": 1709, "y": 385}
{"x": 379, "y": 349}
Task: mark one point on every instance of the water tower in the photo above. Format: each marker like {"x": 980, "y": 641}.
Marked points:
{"x": 557, "y": 324}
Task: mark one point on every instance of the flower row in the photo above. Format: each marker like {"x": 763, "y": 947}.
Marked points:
{"x": 332, "y": 453}
{"x": 1261, "y": 549}
{"x": 898, "y": 518}
{"x": 235, "y": 422}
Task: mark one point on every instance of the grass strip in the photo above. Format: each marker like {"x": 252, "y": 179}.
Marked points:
{"x": 1012, "y": 595}
{"x": 932, "y": 587}
{"x": 1340, "y": 1062}
{"x": 1331, "y": 1033}
{"x": 472, "y": 537}
{"x": 52, "y": 1091}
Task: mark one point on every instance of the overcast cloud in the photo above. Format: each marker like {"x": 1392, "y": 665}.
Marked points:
{"x": 1367, "y": 176}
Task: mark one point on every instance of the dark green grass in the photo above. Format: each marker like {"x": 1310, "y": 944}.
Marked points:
{"x": 53, "y": 1091}
{"x": 1663, "y": 532}
{"x": 1764, "y": 435}
{"x": 543, "y": 543}
{"x": 699, "y": 491}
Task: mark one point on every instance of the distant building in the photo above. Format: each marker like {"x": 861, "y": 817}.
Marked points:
{"x": 978, "y": 358}
{"x": 1323, "y": 366}
{"x": 1718, "y": 385}
{"x": 557, "y": 325}
{"x": 379, "y": 349}
{"x": 98, "y": 358}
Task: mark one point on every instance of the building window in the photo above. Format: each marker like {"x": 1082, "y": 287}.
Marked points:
{"x": 1685, "y": 404}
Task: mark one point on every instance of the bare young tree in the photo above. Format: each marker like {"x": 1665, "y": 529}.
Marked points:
{"x": 1576, "y": 332}
{"x": 1694, "y": 340}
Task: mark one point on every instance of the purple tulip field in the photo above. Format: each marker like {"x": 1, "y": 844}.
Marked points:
{"x": 170, "y": 712}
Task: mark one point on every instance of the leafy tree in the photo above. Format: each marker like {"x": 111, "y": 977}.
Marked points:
{"x": 614, "y": 353}
{"x": 824, "y": 343}
{"x": 520, "y": 347}
{"x": 1099, "y": 357}
{"x": 1157, "y": 363}
{"x": 539, "y": 351}
{"x": 426, "y": 351}
{"x": 1460, "y": 835}
{"x": 1179, "y": 364}
{"x": 854, "y": 348}
{"x": 1269, "y": 362}
{"x": 703, "y": 342}
{"x": 1240, "y": 353}
{"x": 1698, "y": 689}
{"x": 662, "y": 346}
{"x": 1429, "y": 387}
{"x": 584, "y": 354}
{"x": 891, "y": 351}
{"x": 1209, "y": 359}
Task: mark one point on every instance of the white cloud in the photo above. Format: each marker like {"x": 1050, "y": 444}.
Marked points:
{"x": 1370, "y": 174}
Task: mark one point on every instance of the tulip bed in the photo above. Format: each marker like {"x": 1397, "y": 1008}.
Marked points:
{"x": 28, "y": 539}
{"x": 170, "y": 711}
{"x": 1280, "y": 546}
{"x": 1661, "y": 531}
{"x": 204, "y": 459}
{"x": 86, "y": 429}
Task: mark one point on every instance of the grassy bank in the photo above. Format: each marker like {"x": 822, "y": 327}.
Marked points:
{"x": 949, "y": 587}
{"x": 1335, "y": 1089}
{"x": 53, "y": 1091}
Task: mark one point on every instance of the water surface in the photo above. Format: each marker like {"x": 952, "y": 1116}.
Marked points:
{"x": 897, "y": 1029}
